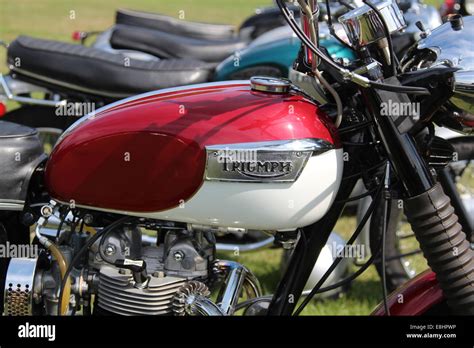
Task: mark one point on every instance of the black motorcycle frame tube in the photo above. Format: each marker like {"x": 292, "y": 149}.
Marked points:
{"x": 306, "y": 253}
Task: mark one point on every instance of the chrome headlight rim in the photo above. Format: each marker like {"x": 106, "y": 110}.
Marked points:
{"x": 468, "y": 7}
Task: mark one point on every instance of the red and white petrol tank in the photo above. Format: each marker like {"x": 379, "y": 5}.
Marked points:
{"x": 223, "y": 154}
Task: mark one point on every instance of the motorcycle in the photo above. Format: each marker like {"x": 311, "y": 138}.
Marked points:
{"x": 259, "y": 155}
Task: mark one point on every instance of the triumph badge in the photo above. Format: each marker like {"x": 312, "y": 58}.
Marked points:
{"x": 276, "y": 161}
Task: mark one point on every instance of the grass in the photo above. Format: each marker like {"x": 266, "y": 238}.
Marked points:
{"x": 57, "y": 19}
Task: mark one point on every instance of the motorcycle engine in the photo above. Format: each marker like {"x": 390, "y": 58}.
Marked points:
{"x": 181, "y": 257}
{"x": 176, "y": 266}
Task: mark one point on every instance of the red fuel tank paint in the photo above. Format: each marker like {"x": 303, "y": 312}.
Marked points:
{"x": 148, "y": 154}
{"x": 419, "y": 295}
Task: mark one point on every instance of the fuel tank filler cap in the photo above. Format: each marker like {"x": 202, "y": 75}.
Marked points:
{"x": 270, "y": 85}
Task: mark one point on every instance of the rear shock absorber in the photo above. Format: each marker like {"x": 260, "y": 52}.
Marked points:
{"x": 444, "y": 246}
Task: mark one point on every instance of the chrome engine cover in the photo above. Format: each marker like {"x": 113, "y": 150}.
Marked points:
{"x": 19, "y": 285}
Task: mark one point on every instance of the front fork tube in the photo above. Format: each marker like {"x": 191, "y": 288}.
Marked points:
{"x": 307, "y": 250}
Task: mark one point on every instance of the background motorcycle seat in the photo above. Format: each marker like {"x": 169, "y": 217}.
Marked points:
{"x": 168, "y": 45}
{"x": 173, "y": 25}
{"x": 99, "y": 72}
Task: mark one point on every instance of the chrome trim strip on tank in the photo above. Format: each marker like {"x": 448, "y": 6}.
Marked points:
{"x": 317, "y": 146}
{"x": 262, "y": 162}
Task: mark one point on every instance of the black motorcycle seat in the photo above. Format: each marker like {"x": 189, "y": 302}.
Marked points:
{"x": 173, "y": 25}
{"x": 99, "y": 72}
{"x": 167, "y": 45}
{"x": 20, "y": 153}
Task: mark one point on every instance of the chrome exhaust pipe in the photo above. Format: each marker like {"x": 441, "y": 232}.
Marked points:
{"x": 238, "y": 278}
{"x": 200, "y": 305}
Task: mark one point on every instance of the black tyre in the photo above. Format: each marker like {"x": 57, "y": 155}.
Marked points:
{"x": 399, "y": 265}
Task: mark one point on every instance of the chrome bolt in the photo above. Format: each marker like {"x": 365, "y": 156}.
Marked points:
{"x": 288, "y": 245}
{"x": 46, "y": 211}
{"x": 110, "y": 249}
{"x": 178, "y": 256}
{"x": 88, "y": 219}
{"x": 158, "y": 274}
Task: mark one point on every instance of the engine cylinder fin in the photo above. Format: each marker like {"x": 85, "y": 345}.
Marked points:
{"x": 149, "y": 293}
{"x": 118, "y": 294}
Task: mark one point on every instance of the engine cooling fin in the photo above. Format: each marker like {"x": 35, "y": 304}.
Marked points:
{"x": 191, "y": 288}
{"x": 119, "y": 295}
